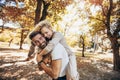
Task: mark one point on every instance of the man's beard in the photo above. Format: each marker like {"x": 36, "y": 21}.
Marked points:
{"x": 42, "y": 46}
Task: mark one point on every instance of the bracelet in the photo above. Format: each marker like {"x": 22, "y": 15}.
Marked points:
{"x": 40, "y": 62}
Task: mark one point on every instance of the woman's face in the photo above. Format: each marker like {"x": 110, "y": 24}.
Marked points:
{"x": 47, "y": 33}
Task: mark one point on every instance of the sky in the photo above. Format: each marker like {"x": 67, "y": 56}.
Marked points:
{"x": 10, "y": 24}
{"x": 11, "y": 3}
{"x": 2, "y": 1}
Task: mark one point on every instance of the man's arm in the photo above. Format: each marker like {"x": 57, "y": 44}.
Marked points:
{"x": 46, "y": 59}
{"x": 31, "y": 51}
{"x": 54, "y": 70}
{"x": 52, "y": 43}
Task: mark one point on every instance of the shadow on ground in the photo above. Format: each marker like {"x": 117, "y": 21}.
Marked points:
{"x": 14, "y": 67}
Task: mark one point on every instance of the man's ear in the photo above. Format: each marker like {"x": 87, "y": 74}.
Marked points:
{"x": 32, "y": 43}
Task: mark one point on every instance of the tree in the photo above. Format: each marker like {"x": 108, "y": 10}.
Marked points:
{"x": 82, "y": 37}
{"x": 24, "y": 15}
{"x": 24, "y": 33}
{"x": 41, "y": 10}
{"x": 108, "y": 12}
{"x": 49, "y": 9}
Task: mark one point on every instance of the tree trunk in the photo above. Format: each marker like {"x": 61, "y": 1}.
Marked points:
{"x": 44, "y": 12}
{"x": 83, "y": 50}
{"x": 113, "y": 39}
{"x": 38, "y": 11}
{"x": 24, "y": 33}
{"x": 41, "y": 11}
{"x": 116, "y": 56}
{"x": 10, "y": 42}
{"x": 83, "y": 45}
{"x": 21, "y": 41}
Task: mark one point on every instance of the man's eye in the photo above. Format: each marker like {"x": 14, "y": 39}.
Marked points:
{"x": 33, "y": 42}
{"x": 36, "y": 42}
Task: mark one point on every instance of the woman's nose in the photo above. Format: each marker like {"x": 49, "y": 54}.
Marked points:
{"x": 45, "y": 35}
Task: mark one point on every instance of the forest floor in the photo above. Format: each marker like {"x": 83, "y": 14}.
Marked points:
{"x": 91, "y": 67}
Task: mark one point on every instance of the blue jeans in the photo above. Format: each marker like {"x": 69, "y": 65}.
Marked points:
{"x": 61, "y": 78}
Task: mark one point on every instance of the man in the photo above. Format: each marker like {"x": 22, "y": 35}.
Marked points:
{"x": 58, "y": 67}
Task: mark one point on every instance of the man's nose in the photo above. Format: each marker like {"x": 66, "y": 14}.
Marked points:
{"x": 39, "y": 42}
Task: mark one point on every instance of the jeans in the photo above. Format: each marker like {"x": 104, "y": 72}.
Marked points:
{"x": 61, "y": 78}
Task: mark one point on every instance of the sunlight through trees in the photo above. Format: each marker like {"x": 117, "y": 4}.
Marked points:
{"x": 88, "y": 25}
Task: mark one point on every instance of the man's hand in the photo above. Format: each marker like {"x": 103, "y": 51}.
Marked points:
{"x": 40, "y": 68}
{"x": 47, "y": 59}
{"x": 39, "y": 58}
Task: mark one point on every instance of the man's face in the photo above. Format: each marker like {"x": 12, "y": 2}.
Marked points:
{"x": 47, "y": 32}
{"x": 39, "y": 41}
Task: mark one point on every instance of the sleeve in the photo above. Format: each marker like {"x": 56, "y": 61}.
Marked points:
{"x": 57, "y": 53}
{"x": 52, "y": 43}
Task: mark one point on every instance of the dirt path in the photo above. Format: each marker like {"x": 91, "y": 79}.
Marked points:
{"x": 13, "y": 67}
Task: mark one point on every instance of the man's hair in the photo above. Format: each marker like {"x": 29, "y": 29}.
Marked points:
{"x": 42, "y": 24}
{"x": 33, "y": 34}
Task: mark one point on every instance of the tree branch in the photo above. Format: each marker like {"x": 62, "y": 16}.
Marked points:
{"x": 103, "y": 10}
{"x": 108, "y": 18}
{"x": 44, "y": 12}
{"x": 97, "y": 19}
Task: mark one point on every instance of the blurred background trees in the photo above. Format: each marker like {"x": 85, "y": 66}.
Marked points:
{"x": 86, "y": 24}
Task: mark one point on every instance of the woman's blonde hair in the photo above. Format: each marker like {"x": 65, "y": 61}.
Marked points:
{"x": 38, "y": 27}
{"x": 42, "y": 24}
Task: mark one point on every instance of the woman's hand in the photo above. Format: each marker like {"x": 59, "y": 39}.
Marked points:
{"x": 39, "y": 58}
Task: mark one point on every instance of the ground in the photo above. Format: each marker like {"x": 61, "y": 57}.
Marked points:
{"x": 92, "y": 67}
